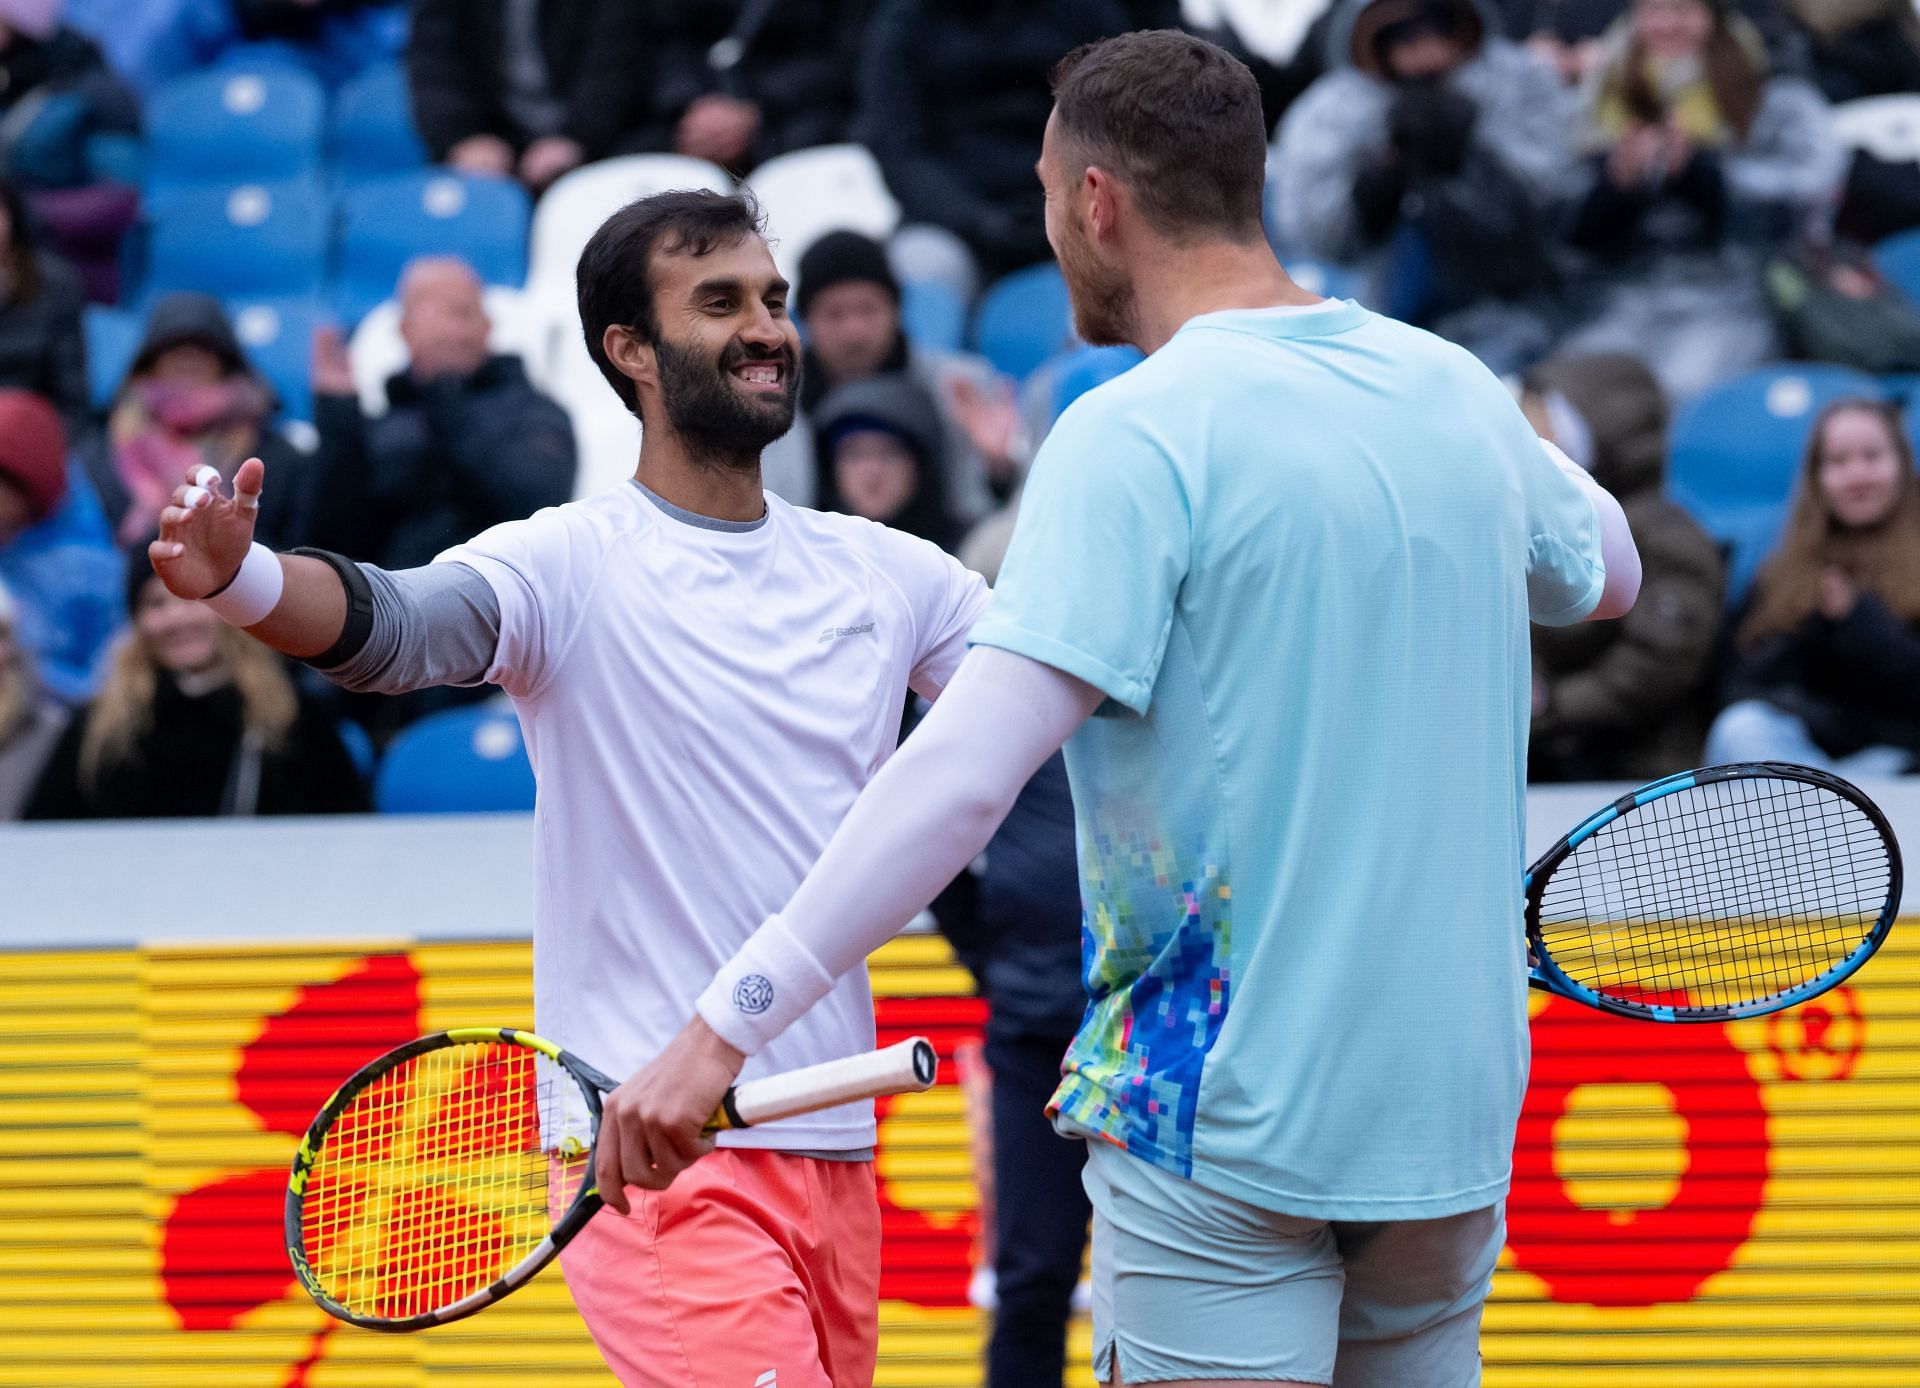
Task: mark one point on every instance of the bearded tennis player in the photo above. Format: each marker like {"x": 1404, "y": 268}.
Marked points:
{"x": 706, "y": 677}
{"x": 1271, "y": 588}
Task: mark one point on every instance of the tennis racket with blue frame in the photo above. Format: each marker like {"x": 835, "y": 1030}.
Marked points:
{"x": 1731, "y": 891}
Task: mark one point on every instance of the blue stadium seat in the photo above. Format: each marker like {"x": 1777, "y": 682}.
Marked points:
{"x": 359, "y": 746}
{"x": 933, "y": 316}
{"x": 250, "y": 241}
{"x": 1736, "y": 455}
{"x": 113, "y": 336}
{"x": 255, "y": 123}
{"x": 373, "y": 134}
{"x": 277, "y": 336}
{"x": 463, "y": 761}
{"x": 386, "y": 223}
{"x": 1024, "y": 319}
{"x": 1080, "y": 370}
{"x": 1898, "y": 258}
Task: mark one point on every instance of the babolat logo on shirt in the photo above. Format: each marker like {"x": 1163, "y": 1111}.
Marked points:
{"x": 835, "y": 633}
{"x": 753, "y": 994}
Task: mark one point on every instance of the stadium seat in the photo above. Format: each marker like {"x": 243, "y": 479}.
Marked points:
{"x": 463, "y": 761}
{"x": 1887, "y": 127}
{"x": 933, "y": 316}
{"x": 359, "y": 746}
{"x": 579, "y": 202}
{"x": 257, "y": 123}
{"x": 1080, "y": 370}
{"x": 377, "y": 352}
{"x": 250, "y": 241}
{"x": 277, "y": 336}
{"x": 387, "y": 222}
{"x": 810, "y": 192}
{"x": 606, "y": 437}
{"x": 1898, "y": 258}
{"x": 372, "y": 134}
{"x": 113, "y": 336}
{"x": 1317, "y": 277}
{"x": 1024, "y": 319}
{"x": 1736, "y": 454}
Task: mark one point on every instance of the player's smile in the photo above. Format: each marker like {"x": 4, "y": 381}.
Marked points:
{"x": 761, "y": 377}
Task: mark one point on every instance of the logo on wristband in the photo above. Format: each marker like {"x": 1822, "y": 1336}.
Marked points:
{"x": 753, "y": 994}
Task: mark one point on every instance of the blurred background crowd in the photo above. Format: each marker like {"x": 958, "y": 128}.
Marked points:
{"x": 340, "y": 235}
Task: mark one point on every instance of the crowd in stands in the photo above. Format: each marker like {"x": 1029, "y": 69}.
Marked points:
{"x": 1628, "y": 207}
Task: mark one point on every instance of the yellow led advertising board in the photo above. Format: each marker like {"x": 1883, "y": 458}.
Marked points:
{"x": 1707, "y": 1205}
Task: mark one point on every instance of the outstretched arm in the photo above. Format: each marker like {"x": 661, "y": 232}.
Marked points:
{"x": 917, "y": 824}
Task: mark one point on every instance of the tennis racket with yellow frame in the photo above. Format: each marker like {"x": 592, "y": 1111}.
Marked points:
{"x": 445, "y": 1174}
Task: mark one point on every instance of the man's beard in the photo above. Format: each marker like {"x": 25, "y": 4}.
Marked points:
{"x": 718, "y": 424}
{"x": 1104, "y": 304}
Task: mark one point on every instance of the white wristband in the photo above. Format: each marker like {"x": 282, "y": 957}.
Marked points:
{"x": 761, "y": 990}
{"x": 254, "y": 591}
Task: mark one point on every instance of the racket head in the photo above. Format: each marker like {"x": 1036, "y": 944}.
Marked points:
{"x": 1730, "y": 891}
{"x": 443, "y": 1175}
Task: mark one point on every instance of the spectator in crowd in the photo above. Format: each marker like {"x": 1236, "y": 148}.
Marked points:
{"x": 56, "y": 552}
{"x": 68, "y": 138}
{"x": 1625, "y": 701}
{"x": 1566, "y": 34}
{"x": 189, "y": 398}
{"x": 741, "y": 80}
{"x": 849, "y": 301}
{"x": 953, "y": 100}
{"x": 1700, "y": 164}
{"x": 467, "y": 443}
{"x": 1433, "y": 154}
{"x": 30, "y": 719}
{"x": 1826, "y": 666}
{"x": 42, "y": 348}
{"x": 194, "y": 718}
{"x": 880, "y": 444}
{"x": 529, "y": 88}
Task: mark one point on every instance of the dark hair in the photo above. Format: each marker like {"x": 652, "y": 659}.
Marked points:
{"x": 615, "y": 279}
{"x": 1178, "y": 119}
{"x": 1736, "y": 76}
{"x": 22, "y": 264}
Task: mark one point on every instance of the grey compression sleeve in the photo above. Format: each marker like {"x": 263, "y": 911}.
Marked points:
{"x": 438, "y": 624}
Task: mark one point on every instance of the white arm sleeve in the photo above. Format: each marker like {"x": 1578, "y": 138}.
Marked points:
{"x": 918, "y": 823}
{"x": 1617, "y": 550}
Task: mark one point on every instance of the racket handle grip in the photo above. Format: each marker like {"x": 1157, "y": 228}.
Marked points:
{"x": 904, "y": 1068}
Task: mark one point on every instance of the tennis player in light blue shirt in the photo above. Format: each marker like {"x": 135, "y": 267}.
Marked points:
{"x": 1272, "y": 590}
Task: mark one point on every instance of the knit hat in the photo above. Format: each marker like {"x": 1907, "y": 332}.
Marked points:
{"x": 189, "y": 319}
{"x": 840, "y": 257}
{"x": 37, "y": 19}
{"x": 33, "y": 451}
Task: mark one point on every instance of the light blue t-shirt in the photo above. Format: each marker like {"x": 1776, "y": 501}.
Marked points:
{"x": 1298, "y": 551}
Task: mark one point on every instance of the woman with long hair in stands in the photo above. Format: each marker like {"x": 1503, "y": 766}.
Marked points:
{"x": 1826, "y": 667}
{"x": 30, "y": 720}
{"x": 194, "y": 718}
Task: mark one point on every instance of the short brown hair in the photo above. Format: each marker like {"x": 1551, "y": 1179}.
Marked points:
{"x": 1178, "y": 119}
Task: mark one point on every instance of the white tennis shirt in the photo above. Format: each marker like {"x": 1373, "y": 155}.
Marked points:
{"x": 702, "y": 703}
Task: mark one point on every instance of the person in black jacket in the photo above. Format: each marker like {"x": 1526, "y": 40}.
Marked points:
{"x": 189, "y": 398}
{"x": 529, "y": 87}
{"x": 467, "y": 442}
{"x": 953, "y": 100}
{"x": 743, "y": 80}
{"x": 194, "y": 718}
{"x": 1826, "y": 667}
{"x": 42, "y": 348}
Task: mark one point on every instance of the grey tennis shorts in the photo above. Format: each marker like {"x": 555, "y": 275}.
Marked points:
{"x": 1189, "y": 1283}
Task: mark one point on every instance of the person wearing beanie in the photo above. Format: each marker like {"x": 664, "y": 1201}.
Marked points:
{"x": 1432, "y": 156}
{"x": 189, "y": 398}
{"x": 56, "y": 554}
{"x": 848, "y": 299}
{"x": 30, "y": 720}
{"x": 879, "y": 456}
{"x": 1625, "y": 700}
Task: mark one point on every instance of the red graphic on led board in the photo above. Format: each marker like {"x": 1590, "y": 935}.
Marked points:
{"x": 1647, "y": 1256}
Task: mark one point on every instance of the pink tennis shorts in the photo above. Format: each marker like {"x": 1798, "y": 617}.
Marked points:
{"x": 752, "y": 1270}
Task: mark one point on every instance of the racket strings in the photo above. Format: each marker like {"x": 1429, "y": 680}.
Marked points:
{"x": 1719, "y": 895}
{"x": 441, "y": 1176}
